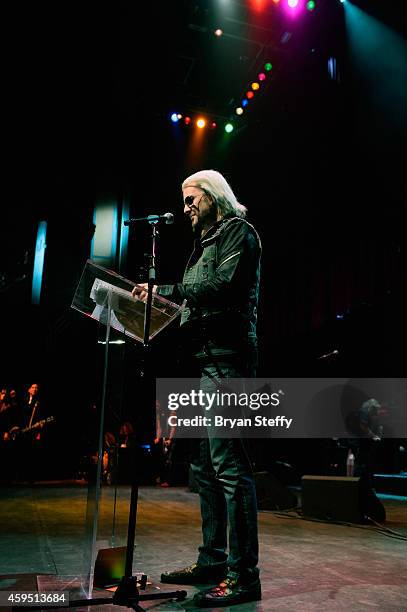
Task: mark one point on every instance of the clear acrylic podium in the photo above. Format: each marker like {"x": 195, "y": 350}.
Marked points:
{"x": 105, "y": 296}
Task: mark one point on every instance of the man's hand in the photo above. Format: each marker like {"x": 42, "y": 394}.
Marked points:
{"x": 140, "y": 292}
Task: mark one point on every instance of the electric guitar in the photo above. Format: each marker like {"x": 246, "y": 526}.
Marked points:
{"x": 16, "y": 431}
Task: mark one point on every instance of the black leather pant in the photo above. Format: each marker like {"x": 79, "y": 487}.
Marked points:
{"x": 226, "y": 488}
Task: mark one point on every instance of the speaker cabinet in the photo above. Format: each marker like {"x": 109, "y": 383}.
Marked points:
{"x": 340, "y": 498}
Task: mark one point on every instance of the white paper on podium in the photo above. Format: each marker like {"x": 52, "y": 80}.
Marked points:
{"x": 98, "y": 294}
{"x": 127, "y": 312}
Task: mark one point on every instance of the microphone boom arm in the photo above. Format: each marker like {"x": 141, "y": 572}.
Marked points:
{"x": 152, "y": 219}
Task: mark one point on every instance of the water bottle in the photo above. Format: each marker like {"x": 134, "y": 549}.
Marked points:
{"x": 350, "y": 463}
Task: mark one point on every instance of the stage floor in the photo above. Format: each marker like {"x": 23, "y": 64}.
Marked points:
{"x": 305, "y": 564}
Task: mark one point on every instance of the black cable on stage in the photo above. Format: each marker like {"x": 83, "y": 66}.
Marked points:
{"x": 380, "y": 529}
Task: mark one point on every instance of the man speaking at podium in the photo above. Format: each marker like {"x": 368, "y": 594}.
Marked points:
{"x": 221, "y": 287}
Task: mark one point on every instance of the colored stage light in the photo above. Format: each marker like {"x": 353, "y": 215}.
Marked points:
{"x": 310, "y": 5}
{"x": 245, "y": 102}
{"x": 268, "y": 66}
{"x": 292, "y": 3}
{"x": 276, "y": 1}
{"x": 239, "y": 110}
{"x": 187, "y": 120}
{"x": 218, "y": 32}
{"x": 332, "y": 68}
{"x": 213, "y": 125}
{"x": 174, "y": 117}
{"x": 228, "y": 128}
{"x": 261, "y": 76}
{"x": 249, "y": 94}
{"x": 179, "y": 116}
{"x": 200, "y": 123}
{"x": 40, "y": 248}
{"x": 255, "y": 86}
{"x": 258, "y": 5}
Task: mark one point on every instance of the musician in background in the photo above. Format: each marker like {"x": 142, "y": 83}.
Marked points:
{"x": 29, "y": 435}
{"x": 8, "y": 417}
{"x": 162, "y": 450}
{"x": 365, "y": 423}
{"x": 30, "y": 407}
{"x": 7, "y": 414}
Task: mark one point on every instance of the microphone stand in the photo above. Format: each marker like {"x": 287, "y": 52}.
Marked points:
{"x": 127, "y": 593}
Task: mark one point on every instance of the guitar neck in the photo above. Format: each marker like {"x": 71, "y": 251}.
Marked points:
{"x": 37, "y": 424}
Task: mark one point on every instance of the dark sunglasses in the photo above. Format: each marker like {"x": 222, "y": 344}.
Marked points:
{"x": 189, "y": 200}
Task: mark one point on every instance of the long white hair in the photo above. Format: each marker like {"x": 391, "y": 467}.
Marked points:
{"x": 217, "y": 187}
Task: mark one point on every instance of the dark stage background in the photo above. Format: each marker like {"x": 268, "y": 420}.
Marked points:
{"x": 319, "y": 160}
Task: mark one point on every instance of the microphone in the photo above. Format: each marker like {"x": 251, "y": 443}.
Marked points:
{"x": 331, "y": 354}
{"x": 167, "y": 217}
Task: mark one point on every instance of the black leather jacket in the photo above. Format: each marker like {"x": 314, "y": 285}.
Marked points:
{"x": 221, "y": 289}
